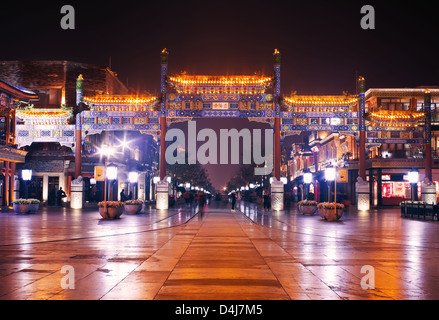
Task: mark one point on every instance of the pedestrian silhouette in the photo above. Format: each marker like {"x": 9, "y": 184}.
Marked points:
{"x": 233, "y": 198}
{"x": 201, "y": 202}
{"x": 61, "y": 194}
{"x": 266, "y": 200}
{"x": 123, "y": 198}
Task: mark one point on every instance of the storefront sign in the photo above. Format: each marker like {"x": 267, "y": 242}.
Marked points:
{"x": 220, "y": 105}
{"x": 99, "y": 173}
{"x": 342, "y": 175}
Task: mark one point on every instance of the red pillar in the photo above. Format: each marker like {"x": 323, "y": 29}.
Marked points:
{"x": 78, "y": 153}
{"x": 6, "y": 185}
{"x": 362, "y": 129}
{"x": 163, "y": 75}
{"x": 277, "y": 158}
{"x": 162, "y": 147}
{"x": 12, "y": 182}
{"x": 277, "y": 119}
{"x": 78, "y": 128}
{"x": 362, "y": 156}
{"x": 427, "y": 145}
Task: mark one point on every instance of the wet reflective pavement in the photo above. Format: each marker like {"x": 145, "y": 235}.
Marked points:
{"x": 223, "y": 254}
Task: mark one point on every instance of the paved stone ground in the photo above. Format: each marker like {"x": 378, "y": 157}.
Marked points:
{"x": 222, "y": 255}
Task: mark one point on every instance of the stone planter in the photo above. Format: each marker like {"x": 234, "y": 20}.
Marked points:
{"x": 111, "y": 213}
{"x": 331, "y": 214}
{"x": 133, "y": 208}
{"x": 322, "y": 213}
{"x": 33, "y": 208}
{"x": 308, "y": 210}
{"x": 21, "y": 208}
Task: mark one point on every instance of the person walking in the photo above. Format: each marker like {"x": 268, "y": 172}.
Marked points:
{"x": 123, "y": 197}
{"x": 187, "y": 198}
{"x": 201, "y": 202}
{"x": 266, "y": 196}
{"x": 233, "y": 198}
{"x": 61, "y": 194}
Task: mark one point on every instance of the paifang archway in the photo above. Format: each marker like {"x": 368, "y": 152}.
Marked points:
{"x": 254, "y": 97}
{"x": 257, "y": 98}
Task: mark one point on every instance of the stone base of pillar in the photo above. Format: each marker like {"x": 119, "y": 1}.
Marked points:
{"x": 277, "y": 195}
{"x": 77, "y": 195}
{"x": 363, "y": 195}
{"x": 429, "y": 193}
{"x": 162, "y": 198}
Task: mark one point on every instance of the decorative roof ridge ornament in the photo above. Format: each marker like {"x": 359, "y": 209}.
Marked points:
{"x": 44, "y": 115}
{"x": 322, "y": 100}
{"x": 276, "y": 57}
{"x": 120, "y": 99}
{"x": 164, "y": 56}
{"x": 220, "y": 80}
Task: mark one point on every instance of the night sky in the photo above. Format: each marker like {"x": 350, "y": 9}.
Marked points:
{"x": 322, "y": 44}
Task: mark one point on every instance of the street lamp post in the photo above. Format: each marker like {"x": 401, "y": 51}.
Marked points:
{"x": 26, "y": 174}
{"x": 413, "y": 177}
{"x": 111, "y": 173}
{"x": 133, "y": 176}
{"x": 307, "y": 180}
{"x": 330, "y": 176}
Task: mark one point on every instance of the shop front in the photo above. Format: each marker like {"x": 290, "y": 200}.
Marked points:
{"x": 395, "y": 189}
{"x": 390, "y": 187}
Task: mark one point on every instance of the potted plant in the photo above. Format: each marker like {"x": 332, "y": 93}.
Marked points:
{"x": 133, "y": 206}
{"x": 307, "y": 207}
{"x": 24, "y": 206}
{"x": 34, "y": 205}
{"x": 21, "y": 206}
{"x": 330, "y": 211}
{"x": 111, "y": 209}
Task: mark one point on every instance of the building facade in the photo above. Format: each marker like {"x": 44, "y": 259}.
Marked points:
{"x": 376, "y": 135}
{"x": 46, "y": 128}
{"x": 11, "y": 98}
{"x": 396, "y": 134}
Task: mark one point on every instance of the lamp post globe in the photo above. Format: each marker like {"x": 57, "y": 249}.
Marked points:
{"x": 26, "y": 175}
{"x": 413, "y": 177}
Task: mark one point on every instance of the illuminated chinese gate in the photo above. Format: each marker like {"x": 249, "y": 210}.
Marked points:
{"x": 257, "y": 98}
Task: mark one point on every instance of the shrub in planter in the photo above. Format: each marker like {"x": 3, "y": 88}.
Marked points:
{"x": 330, "y": 211}
{"x": 111, "y": 209}
{"x": 34, "y": 205}
{"x": 133, "y": 206}
{"x": 307, "y": 207}
{"x": 24, "y": 206}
